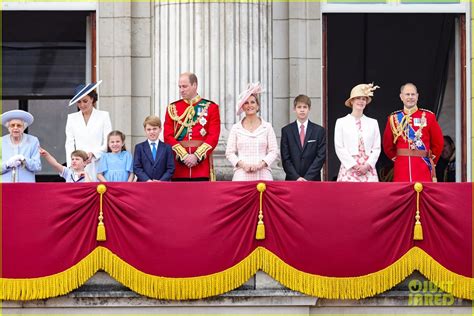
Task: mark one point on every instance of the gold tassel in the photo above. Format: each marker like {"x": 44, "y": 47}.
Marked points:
{"x": 101, "y": 232}
{"x": 260, "y": 233}
{"x": 101, "y": 236}
{"x": 418, "y": 232}
{"x": 418, "y": 229}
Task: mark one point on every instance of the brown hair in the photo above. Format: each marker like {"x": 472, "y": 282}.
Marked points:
{"x": 116, "y": 133}
{"x": 93, "y": 94}
{"x": 449, "y": 140}
{"x": 302, "y": 99}
{"x": 192, "y": 77}
{"x": 152, "y": 120}
{"x": 80, "y": 153}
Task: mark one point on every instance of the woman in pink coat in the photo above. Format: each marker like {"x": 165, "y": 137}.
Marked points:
{"x": 252, "y": 145}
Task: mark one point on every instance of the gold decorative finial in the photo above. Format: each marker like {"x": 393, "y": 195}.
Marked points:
{"x": 101, "y": 188}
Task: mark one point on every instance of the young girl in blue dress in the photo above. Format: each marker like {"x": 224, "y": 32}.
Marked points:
{"x": 117, "y": 164}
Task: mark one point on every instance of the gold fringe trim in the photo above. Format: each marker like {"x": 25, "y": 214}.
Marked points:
{"x": 214, "y": 284}
{"x": 370, "y": 284}
{"x": 182, "y": 288}
{"x": 52, "y": 285}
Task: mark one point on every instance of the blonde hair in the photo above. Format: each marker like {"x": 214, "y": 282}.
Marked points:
{"x": 152, "y": 120}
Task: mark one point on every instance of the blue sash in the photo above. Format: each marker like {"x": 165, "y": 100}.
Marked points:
{"x": 418, "y": 142}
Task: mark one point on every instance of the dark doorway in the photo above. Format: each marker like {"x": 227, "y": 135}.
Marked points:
{"x": 390, "y": 50}
{"x": 43, "y": 60}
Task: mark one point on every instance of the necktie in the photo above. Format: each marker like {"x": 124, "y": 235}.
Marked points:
{"x": 302, "y": 135}
{"x": 153, "y": 150}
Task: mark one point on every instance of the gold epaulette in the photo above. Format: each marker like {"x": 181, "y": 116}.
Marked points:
{"x": 395, "y": 112}
{"x": 207, "y": 101}
{"x": 426, "y": 111}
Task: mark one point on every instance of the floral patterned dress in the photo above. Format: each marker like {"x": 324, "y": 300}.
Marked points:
{"x": 351, "y": 175}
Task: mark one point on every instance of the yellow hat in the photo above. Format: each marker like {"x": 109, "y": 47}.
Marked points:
{"x": 362, "y": 90}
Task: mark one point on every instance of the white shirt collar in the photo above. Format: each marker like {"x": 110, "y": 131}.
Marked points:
{"x": 156, "y": 142}
{"x": 305, "y": 123}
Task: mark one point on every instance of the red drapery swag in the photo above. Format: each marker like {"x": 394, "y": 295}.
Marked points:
{"x": 194, "y": 240}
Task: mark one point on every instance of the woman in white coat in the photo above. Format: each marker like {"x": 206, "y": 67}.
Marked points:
{"x": 88, "y": 128}
{"x": 357, "y": 138}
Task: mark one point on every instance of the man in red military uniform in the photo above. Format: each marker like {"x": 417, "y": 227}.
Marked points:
{"x": 192, "y": 127}
{"x": 413, "y": 139}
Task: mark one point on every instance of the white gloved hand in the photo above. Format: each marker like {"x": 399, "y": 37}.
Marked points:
{"x": 13, "y": 162}
{"x": 17, "y": 157}
{"x": 20, "y": 157}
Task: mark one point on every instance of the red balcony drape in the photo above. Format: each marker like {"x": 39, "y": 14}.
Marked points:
{"x": 193, "y": 240}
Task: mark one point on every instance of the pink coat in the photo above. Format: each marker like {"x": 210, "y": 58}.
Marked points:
{"x": 252, "y": 147}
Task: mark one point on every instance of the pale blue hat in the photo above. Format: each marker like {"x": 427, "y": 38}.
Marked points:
{"x": 17, "y": 115}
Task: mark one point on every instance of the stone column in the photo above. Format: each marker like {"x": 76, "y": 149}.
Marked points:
{"x": 114, "y": 60}
{"x": 297, "y": 59}
{"x": 227, "y": 45}
{"x": 142, "y": 66}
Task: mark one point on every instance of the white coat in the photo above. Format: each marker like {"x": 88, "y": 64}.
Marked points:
{"x": 346, "y": 140}
{"x": 90, "y": 138}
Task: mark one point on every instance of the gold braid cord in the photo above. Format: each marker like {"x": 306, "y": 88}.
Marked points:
{"x": 398, "y": 128}
{"x": 185, "y": 120}
{"x": 260, "y": 233}
{"x": 101, "y": 235}
{"x": 418, "y": 229}
{"x": 182, "y": 121}
{"x": 201, "y": 151}
{"x": 180, "y": 151}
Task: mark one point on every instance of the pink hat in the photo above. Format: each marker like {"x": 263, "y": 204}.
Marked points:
{"x": 253, "y": 88}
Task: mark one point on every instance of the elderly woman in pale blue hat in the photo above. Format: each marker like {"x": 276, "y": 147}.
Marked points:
{"x": 88, "y": 128}
{"x": 20, "y": 151}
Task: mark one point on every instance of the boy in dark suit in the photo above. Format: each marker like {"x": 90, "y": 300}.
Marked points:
{"x": 153, "y": 159}
{"x": 303, "y": 144}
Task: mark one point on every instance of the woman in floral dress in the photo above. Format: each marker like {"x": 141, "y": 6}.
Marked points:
{"x": 357, "y": 138}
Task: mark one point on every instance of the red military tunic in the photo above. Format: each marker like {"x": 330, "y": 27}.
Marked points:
{"x": 192, "y": 129}
{"x": 407, "y": 135}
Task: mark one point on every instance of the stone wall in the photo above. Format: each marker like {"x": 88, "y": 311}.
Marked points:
{"x": 143, "y": 47}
